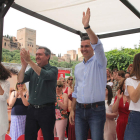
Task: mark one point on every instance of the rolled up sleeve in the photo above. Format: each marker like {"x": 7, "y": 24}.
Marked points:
{"x": 99, "y": 53}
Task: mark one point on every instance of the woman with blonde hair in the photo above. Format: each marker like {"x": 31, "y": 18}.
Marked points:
{"x": 61, "y": 106}
{"x": 64, "y": 83}
{"x": 4, "y": 94}
{"x": 19, "y": 102}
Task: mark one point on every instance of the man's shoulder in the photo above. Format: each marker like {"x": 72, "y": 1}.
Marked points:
{"x": 79, "y": 64}
{"x": 53, "y": 68}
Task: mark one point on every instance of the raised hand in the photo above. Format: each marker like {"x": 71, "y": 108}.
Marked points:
{"x": 23, "y": 62}
{"x": 25, "y": 55}
{"x": 119, "y": 94}
{"x": 86, "y": 18}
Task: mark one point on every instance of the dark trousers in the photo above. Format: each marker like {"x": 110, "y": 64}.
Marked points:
{"x": 37, "y": 118}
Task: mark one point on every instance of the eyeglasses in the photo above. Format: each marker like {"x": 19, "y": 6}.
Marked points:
{"x": 59, "y": 86}
{"x": 71, "y": 79}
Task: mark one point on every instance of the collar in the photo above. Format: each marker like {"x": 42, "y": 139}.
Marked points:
{"x": 46, "y": 66}
{"x": 91, "y": 58}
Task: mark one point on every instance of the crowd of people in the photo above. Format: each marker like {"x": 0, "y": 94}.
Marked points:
{"x": 100, "y": 104}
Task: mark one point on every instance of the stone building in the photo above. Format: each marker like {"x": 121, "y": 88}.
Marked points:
{"x": 10, "y": 44}
{"x": 67, "y": 57}
{"x": 27, "y": 38}
{"x": 73, "y": 54}
{"x": 80, "y": 56}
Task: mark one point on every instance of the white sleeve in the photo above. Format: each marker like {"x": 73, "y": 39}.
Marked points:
{"x": 128, "y": 82}
{"x": 6, "y": 88}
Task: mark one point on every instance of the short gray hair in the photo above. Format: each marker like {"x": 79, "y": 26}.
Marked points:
{"x": 46, "y": 51}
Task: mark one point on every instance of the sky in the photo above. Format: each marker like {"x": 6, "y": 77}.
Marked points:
{"x": 57, "y": 39}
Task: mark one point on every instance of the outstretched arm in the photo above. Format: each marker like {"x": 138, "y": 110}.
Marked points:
{"x": 95, "y": 42}
{"x": 22, "y": 70}
{"x": 85, "y": 21}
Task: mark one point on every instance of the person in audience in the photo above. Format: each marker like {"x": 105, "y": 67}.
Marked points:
{"x": 64, "y": 83}
{"x": 115, "y": 82}
{"x": 61, "y": 107}
{"x": 109, "y": 75}
{"x": 13, "y": 81}
{"x": 127, "y": 75}
{"x": 121, "y": 104}
{"x": 132, "y": 131}
{"x": 4, "y": 94}
{"x": 110, "y": 124}
{"x": 115, "y": 73}
{"x": 120, "y": 75}
{"x": 69, "y": 84}
{"x": 71, "y": 128}
{"x": 19, "y": 102}
{"x": 68, "y": 92}
{"x": 129, "y": 69}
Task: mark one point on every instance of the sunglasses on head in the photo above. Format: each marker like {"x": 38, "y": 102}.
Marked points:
{"x": 71, "y": 79}
{"x": 59, "y": 86}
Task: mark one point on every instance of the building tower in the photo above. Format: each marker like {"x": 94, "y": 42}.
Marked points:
{"x": 27, "y": 38}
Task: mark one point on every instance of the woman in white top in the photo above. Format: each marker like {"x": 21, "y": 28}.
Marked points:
{"x": 4, "y": 93}
{"x": 110, "y": 125}
{"x": 132, "y": 131}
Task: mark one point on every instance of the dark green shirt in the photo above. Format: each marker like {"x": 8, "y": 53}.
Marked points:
{"x": 42, "y": 89}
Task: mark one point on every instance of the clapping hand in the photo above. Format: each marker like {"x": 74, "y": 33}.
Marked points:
{"x": 25, "y": 55}
{"x": 20, "y": 92}
{"x": 119, "y": 94}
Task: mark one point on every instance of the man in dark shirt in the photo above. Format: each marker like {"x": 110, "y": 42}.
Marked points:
{"x": 42, "y": 80}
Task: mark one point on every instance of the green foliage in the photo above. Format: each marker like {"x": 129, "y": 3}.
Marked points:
{"x": 55, "y": 58}
{"x": 121, "y": 58}
{"x": 12, "y": 56}
{"x": 115, "y": 58}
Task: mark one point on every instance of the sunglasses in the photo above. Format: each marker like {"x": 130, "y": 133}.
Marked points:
{"x": 19, "y": 84}
{"x": 59, "y": 86}
{"x": 71, "y": 79}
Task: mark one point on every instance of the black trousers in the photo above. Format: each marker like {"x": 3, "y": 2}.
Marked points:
{"x": 37, "y": 118}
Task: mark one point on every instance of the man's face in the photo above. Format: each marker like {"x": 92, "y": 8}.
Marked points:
{"x": 86, "y": 49}
{"x": 41, "y": 58}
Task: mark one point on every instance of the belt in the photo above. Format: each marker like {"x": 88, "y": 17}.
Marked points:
{"x": 41, "y": 106}
{"x": 96, "y": 104}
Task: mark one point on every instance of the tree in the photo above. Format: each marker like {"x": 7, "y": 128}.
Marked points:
{"x": 77, "y": 57}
